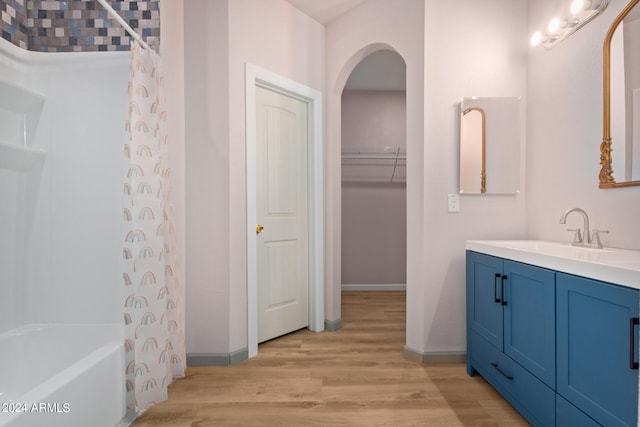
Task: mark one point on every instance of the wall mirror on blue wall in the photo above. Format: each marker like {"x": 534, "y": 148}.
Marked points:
{"x": 490, "y": 139}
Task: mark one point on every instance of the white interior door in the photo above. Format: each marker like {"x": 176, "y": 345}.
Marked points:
{"x": 282, "y": 213}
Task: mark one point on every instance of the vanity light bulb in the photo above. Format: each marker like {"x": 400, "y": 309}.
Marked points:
{"x": 577, "y": 6}
{"x": 554, "y": 25}
{"x": 536, "y": 38}
{"x": 592, "y": 4}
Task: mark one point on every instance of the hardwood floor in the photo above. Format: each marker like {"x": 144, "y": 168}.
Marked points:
{"x": 355, "y": 376}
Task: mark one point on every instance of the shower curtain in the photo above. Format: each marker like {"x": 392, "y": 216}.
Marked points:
{"x": 153, "y": 306}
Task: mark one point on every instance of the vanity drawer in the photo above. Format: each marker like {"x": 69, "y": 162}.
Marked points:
{"x": 530, "y": 396}
{"x": 569, "y": 415}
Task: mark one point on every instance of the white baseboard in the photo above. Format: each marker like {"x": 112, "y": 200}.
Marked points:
{"x": 374, "y": 287}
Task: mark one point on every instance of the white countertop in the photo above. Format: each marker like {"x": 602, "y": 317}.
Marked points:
{"x": 618, "y": 266}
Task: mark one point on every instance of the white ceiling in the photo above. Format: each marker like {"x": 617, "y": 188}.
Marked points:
{"x": 325, "y": 11}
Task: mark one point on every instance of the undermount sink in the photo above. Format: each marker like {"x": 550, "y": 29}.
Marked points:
{"x": 545, "y": 246}
{"x": 542, "y": 245}
{"x": 630, "y": 264}
{"x": 619, "y": 266}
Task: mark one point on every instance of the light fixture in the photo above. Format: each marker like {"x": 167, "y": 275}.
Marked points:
{"x": 536, "y": 38}
{"x": 577, "y": 6}
{"x": 558, "y": 29}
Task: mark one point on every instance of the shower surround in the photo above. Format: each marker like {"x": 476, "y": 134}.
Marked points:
{"x": 62, "y": 135}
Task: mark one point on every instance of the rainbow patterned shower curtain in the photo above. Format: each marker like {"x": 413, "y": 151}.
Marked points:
{"x": 153, "y": 306}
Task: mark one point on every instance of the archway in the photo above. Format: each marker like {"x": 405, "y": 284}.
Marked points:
{"x": 373, "y": 190}
{"x": 336, "y": 84}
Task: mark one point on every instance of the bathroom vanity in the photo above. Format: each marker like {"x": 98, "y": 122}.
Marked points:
{"x": 554, "y": 329}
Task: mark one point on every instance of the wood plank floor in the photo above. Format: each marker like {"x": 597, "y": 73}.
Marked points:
{"x": 356, "y": 376}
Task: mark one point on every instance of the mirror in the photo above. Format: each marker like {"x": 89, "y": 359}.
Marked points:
{"x": 489, "y": 145}
{"x": 473, "y": 172}
{"x": 621, "y": 101}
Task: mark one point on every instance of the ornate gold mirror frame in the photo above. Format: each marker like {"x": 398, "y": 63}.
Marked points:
{"x": 483, "y": 170}
{"x": 606, "y": 160}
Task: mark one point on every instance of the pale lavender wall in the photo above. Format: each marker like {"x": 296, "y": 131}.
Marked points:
{"x": 274, "y": 35}
{"x": 207, "y": 176}
{"x": 220, "y": 37}
{"x": 443, "y": 65}
{"x": 472, "y": 49}
{"x": 172, "y": 51}
{"x": 374, "y": 209}
{"x": 372, "y": 26}
{"x": 452, "y": 49}
{"x": 564, "y": 134}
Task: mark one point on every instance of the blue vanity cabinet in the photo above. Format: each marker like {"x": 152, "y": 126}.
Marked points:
{"x": 529, "y": 319}
{"x": 597, "y": 349}
{"x": 567, "y": 415}
{"x": 562, "y": 349}
{"x": 511, "y": 332}
{"x": 484, "y": 297}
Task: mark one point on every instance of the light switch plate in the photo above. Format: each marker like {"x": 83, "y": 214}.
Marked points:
{"x": 454, "y": 203}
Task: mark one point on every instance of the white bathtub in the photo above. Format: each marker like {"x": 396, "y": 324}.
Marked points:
{"x": 62, "y": 375}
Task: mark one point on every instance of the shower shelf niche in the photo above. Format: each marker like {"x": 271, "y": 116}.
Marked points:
{"x": 20, "y": 110}
{"x": 17, "y": 158}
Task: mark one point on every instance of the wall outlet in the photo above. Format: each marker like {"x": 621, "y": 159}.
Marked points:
{"x": 454, "y": 203}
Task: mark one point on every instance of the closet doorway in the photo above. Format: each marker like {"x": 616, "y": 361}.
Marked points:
{"x": 374, "y": 201}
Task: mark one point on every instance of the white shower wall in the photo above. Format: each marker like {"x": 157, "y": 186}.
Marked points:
{"x": 61, "y": 262}
{"x": 11, "y": 267}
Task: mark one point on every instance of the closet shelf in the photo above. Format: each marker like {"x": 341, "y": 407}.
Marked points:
{"x": 374, "y": 153}
{"x": 389, "y": 156}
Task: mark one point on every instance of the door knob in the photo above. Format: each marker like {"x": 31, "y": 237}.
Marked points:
{"x": 259, "y": 229}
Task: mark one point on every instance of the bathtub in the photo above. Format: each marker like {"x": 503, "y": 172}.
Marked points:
{"x": 63, "y": 375}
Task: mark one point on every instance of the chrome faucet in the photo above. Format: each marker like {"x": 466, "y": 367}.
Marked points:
{"x": 578, "y": 239}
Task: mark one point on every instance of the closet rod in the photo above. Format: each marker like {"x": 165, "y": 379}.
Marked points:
{"x": 378, "y": 157}
{"x": 373, "y": 153}
{"x": 376, "y": 153}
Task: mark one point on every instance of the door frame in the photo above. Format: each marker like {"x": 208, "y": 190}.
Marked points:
{"x": 258, "y": 76}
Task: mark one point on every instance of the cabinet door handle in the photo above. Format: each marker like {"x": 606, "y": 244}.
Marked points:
{"x": 504, "y": 277}
{"x": 633, "y": 322}
{"x": 495, "y": 287}
{"x": 497, "y": 368}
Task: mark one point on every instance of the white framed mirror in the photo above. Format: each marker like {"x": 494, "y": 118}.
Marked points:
{"x": 490, "y": 132}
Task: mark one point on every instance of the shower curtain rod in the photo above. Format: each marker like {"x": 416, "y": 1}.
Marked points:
{"x": 122, "y": 22}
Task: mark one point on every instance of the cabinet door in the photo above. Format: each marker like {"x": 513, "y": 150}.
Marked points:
{"x": 597, "y": 343}
{"x": 484, "y": 292}
{"x": 530, "y": 319}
